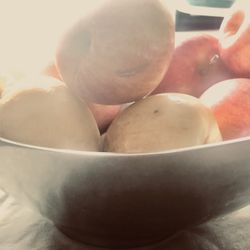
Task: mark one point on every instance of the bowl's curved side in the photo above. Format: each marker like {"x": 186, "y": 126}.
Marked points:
{"x": 120, "y": 200}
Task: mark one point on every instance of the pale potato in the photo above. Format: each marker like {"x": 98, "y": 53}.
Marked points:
{"x": 162, "y": 122}
{"x": 44, "y": 112}
{"x": 8, "y": 77}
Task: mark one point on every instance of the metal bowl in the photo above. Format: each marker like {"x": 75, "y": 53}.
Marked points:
{"x": 123, "y": 200}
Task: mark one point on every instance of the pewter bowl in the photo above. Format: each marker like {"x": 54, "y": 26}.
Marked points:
{"x": 122, "y": 200}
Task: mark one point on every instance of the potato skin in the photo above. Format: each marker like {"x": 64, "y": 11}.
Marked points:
{"x": 103, "y": 114}
{"x": 162, "y": 122}
{"x": 119, "y": 53}
{"x": 43, "y": 112}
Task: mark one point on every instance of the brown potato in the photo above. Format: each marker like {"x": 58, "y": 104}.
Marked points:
{"x": 43, "y": 112}
{"x": 162, "y": 122}
{"x": 118, "y": 53}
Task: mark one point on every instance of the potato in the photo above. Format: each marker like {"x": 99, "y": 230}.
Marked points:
{"x": 43, "y": 112}
{"x": 118, "y": 53}
{"x": 103, "y": 114}
{"x": 162, "y": 122}
{"x": 9, "y": 77}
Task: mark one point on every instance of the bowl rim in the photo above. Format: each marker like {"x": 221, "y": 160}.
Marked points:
{"x": 11, "y": 143}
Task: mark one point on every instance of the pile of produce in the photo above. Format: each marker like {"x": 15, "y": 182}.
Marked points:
{"x": 121, "y": 83}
